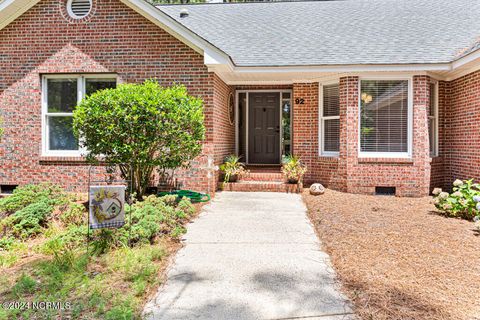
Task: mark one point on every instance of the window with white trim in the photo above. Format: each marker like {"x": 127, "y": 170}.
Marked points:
{"x": 385, "y": 118}
{"x": 432, "y": 119}
{"x": 330, "y": 120}
{"x": 61, "y": 93}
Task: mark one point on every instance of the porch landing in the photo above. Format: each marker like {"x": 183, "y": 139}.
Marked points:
{"x": 262, "y": 179}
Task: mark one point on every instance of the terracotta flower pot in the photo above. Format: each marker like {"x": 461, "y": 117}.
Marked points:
{"x": 233, "y": 178}
{"x": 292, "y": 181}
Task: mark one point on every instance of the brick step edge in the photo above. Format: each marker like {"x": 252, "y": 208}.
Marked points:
{"x": 264, "y": 176}
{"x": 261, "y": 186}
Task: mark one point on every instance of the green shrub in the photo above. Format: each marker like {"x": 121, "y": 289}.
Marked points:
{"x": 74, "y": 214}
{"x": 461, "y": 202}
{"x": 151, "y": 218}
{"x": 144, "y": 125}
{"x": 28, "y": 221}
{"x": 24, "y": 284}
{"x": 6, "y": 243}
{"x": 28, "y": 194}
{"x": 74, "y": 237}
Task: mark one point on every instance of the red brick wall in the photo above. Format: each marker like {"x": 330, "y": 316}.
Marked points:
{"x": 438, "y": 171}
{"x": 348, "y": 172}
{"x": 305, "y": 139}
{"x": 223, "y": 129}
{"x": 462, "y": 129}
{"x": 113, "y": 39}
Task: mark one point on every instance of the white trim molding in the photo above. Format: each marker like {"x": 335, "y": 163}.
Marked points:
{"x": 409, "y": 153}
{"x": 81, "y": 88}
{"x": 322, "y": 119}
{"x": 247, "y": 107}
{"x": 434, "y": 152}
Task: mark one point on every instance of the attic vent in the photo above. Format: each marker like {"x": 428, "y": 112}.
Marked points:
{"x": 79, "y": 9}
{"x": 184, "y": 13}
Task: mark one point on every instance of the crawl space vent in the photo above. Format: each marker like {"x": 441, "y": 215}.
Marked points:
{"x": 385, "y": 191}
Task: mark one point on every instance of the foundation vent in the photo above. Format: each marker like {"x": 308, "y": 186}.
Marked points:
{"x": 385, "y": 191}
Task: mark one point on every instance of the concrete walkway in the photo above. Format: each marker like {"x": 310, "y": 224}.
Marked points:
{"x": 251, "y": 256}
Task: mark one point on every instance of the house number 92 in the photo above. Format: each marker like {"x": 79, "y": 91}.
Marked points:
{"x": 299, "y": 101}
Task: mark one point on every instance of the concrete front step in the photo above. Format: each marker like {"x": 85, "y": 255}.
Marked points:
{"x": 261, "y": 186}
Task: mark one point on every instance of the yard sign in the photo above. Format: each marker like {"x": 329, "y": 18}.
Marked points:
{"x": 107, "y": 207}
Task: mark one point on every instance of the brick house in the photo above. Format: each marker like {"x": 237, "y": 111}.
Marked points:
{"x": 372, "y": 95}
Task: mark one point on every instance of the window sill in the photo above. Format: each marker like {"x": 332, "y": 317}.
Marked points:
{"x": 331, "y": 158}
{"x": 63, "y": 159}
{"x": 386, "y": 160}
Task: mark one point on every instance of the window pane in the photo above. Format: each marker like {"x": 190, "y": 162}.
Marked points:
{"x": 286, "y": 95}
{"x": 61, "y": 95}
{"x": 384, "y": 116}
{"x": 93, "y": 85}
{"x": 286, "y": 108}
{"x": 431, "y": 110}
{"x": 331, "y": 135}
{"x": 61, "y": 134}
{"x": 431, "y": 135}
{"x": 331, "y": 101}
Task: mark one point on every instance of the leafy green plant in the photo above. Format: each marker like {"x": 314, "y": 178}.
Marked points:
{"x": 293, "y": 169}
{"x": 73, "y": 238}
{"x": 25, "y": 284}
{"x": 73, "y": 214}
{"x": 142, "y": 125}
{"x": 462, "y": 202}
{"x": 28, "y": 221}
{"x": 232, "y": 169}
{"x": 24, "y": 195}
{"x": 6, "y": 243}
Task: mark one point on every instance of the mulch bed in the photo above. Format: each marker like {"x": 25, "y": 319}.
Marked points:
{"x": 397, "y": 258}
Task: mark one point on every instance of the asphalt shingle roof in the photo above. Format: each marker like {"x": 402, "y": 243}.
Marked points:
{"x": 337, "y": 32}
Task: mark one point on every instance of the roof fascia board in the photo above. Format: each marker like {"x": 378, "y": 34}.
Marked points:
{"x": 471, "y": 57}
{"x": 347, "y": 68}
{"x": 13, "y": 9}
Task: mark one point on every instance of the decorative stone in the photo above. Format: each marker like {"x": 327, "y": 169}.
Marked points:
{"x": 317, "y": 189}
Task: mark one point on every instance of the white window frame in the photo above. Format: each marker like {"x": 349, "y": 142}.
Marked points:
{"x": 81, "y": 81}
{"x": 322, "y": 119}
{"x": 435, "y": 117}
{"x": 408, "y": 154}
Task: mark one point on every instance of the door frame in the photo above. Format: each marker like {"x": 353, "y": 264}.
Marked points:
{"x": 247, "y": 109}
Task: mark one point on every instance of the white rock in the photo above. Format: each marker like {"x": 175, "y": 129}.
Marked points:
{"x": 317, "y": 189}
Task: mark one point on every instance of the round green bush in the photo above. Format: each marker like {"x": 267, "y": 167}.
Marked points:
{"x": 143, "y": 125}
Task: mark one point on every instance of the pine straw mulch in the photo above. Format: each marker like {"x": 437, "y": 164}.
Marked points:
{"x": 397, "y": 258}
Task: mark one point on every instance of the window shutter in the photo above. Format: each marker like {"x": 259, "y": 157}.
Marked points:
{"x": 331, "y": 119}
{"x": 384, "y": 116}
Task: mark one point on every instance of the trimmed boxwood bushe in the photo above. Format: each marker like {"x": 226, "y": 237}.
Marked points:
{"x": 143, "y": 125}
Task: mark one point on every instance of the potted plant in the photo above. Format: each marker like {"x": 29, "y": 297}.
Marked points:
{"x": 293, "y": 169}
{"x": 232, "y": 169}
